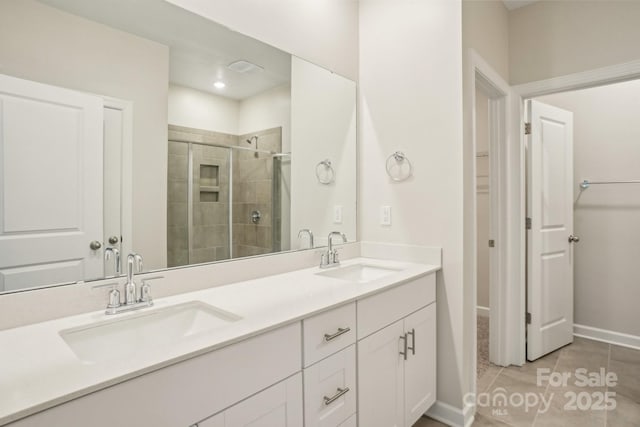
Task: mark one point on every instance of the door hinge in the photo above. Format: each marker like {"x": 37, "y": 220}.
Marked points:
{"x": 527, "y": 128}
{"x": 528, "y": 223}
{"x": 492, "y": 243}
{"x": 527, "y": 318}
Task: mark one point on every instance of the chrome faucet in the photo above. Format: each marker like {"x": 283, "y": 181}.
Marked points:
{"x": 130, "y": 291}
{"x": 307, "y": 231}
{"x": 108, "y": 252}
{"x": 131, "y": 300}
{"x": 330, "y": 258}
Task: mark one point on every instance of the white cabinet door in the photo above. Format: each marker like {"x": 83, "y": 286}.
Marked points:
{"x": 420, "y": 366}
{"x": 380, "y": 378}
{"x": 277, "y": 406}
{"x": 50, "y": 184}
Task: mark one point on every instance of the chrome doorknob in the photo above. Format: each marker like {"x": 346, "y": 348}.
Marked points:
{"x": 113, "y": 240}
{"x": 95, "y": 245}
{"x": 574, "y": 239}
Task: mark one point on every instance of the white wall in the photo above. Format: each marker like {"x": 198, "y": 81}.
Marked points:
{"x": 323, "y": 126}
{"x": 485, "y": 28}
{"x": 267, "y": 110}
{"x": 323, "y": 32}
{"x": 554, "y": 38}
{"x": 411, "y": 100}
{"x": 43, "y": 44}
{"x": 606, "y": 217}
{"x": 201, "y": 110}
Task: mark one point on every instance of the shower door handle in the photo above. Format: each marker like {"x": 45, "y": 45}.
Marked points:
{"x": 574, "y": 239}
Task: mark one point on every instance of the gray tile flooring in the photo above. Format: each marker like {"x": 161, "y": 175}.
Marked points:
{"x": 566, "y": 404}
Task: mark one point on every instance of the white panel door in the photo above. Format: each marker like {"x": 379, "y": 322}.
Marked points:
{"x": 420, "y": 366}
{"x": 550, "y": 207}
{"x": 51, "y": 184}
{"x": 381, "y": 378}
{"x": 278, "y": 406}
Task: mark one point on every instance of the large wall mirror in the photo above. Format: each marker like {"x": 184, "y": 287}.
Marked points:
{"x": 139, "y": 127}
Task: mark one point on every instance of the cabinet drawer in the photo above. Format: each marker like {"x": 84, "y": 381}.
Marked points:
{"x": 380, "y": 310}
{"x": 328, "y": 332}
{"x": 330, "y": 390}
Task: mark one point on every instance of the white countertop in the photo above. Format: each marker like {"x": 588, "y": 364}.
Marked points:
{"x": 38, "y": 370}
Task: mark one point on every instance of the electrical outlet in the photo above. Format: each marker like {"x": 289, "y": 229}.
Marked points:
{"x": 385, "y": 215}
{"x": 337, "y": 214}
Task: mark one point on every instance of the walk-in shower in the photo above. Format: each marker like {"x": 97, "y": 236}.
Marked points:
{"x": 225, "y": 199}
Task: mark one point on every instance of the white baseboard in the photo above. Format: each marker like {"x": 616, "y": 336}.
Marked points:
{"x": 483, "y": 311}
{"x": 469, "y": 415}
{"x": 451, "y": 415}
{"x": 611, "y": 337}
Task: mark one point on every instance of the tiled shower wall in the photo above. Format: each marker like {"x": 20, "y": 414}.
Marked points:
{"x": 253, "y": 189}
{"x": 210, "y": 197}
{"x": 177, "y": 231}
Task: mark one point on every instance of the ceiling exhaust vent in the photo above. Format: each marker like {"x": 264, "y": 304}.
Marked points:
{"x": 244, "y": 67}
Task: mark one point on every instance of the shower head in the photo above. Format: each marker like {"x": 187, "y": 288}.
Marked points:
{"x": 250, "y": 140}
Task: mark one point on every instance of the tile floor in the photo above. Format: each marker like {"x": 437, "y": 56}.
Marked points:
{"x": 561, "y": 398}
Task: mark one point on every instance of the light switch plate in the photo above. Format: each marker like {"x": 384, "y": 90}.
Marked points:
{"x": 385, "y": 215}
{"x": 337, "y": 214}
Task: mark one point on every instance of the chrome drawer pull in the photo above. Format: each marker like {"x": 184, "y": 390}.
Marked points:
{"x": 413, "y": 341}
{"x": 340, "y": 392}
{"x": 329, "y": 337}
{"x": 404, "y": 345}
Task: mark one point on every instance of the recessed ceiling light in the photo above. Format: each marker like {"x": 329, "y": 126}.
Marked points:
{"x": 219, "y": 85}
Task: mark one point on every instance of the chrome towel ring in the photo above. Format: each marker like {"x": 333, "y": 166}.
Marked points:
{"x": 399, "y": 167}
{"x": 325, "y": 173}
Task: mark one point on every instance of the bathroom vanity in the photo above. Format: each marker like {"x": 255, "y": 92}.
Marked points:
{"x": 305, "y": 347}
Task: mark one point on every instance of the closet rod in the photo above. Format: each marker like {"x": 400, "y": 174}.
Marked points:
{"x": 586, "y": 183}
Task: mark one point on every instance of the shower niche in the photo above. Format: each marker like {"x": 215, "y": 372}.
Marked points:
{"x": 209, "y": 183}
{"x": 216, "y": 185}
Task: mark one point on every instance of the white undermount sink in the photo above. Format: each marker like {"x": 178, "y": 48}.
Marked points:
{"x": 360, "y": 273}
{"x": 147, "y": 331}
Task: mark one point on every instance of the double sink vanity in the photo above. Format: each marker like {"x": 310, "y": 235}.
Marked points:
{"x": 343, "y": 346}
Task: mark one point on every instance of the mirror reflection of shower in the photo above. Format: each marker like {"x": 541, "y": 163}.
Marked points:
{"x": 251, "y": 141}
{"x": 217, "y": 184}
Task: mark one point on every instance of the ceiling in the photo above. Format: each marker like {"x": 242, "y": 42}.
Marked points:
{"x": 516, "y": 4}
{"x": 200, "y": 50}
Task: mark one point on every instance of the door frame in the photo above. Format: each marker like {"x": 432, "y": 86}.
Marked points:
{"x": 516, "y": 202}
{"x": 480, "y": 75}
{"x": 126, "y": 189}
